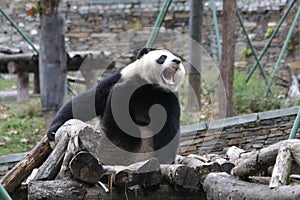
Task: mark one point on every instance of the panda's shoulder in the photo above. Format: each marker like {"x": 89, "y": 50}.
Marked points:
{"x": 113, "y": 78}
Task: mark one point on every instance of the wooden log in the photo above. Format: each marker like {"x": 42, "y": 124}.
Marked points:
{"x": 29, "y": 61}
{"x": 67, "y": 146}
{"x": 201, "y": 167}
{"x": 149, "y": 172}
{"x": 181, "y": 176}
{"x": 9, "y": 50}
{"x": 206, "y": 169}
{"x": 294, "y": 179}
{"x": 52, "y": 165}
{"x": 295, "y": 150}
{"x": 73, "y": 128}
{"x": 22, "y": 170}
{"x": 70, "y": 190}
{"x": 191, "y": 161}
{"x": 281, "y": 170}
{"x": 225, "y": 165}
{"x": 85, "y": 167}
{"x": 260, "y": 179}
{"x": 146, "y": 173}
{"x": 221, "y": 186}
{"x": 5, "y": 58}
{"x": 121, "y": 176}
{"x": 234, "y": 154}
{"x": 257, "y": 161}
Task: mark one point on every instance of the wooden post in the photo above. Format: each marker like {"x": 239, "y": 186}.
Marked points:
{"x": 22, "y": 87}
{"x": 36, "y": 83}
{"x": 52, "y": 59}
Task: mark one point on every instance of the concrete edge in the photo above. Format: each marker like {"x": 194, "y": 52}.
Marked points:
{"x": 238, "y": 120}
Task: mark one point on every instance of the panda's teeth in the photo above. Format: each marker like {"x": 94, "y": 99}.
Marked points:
{"x": 168, "y": 75}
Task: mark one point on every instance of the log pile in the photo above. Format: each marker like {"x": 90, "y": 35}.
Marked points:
{"x": 73, "y": 171}
{"x": 265, "y": 174}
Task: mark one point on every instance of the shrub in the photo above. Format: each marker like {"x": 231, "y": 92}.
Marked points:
{"x": 249, "y": 97}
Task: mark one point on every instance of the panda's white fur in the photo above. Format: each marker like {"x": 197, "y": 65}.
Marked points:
{"x": 158, "y": 74}
{"x": 148, "y": 69}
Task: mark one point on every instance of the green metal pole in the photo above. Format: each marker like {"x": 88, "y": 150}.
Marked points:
{"x": 214, "y": 13}
{"x": 295, "y": 126}
{"x": 271, "y": 39}
{"x": 283, "y": 50}
{"x": 158, "y": 23}
{"x": 19, "y": 30}
{"x": 251, "y": 45}
{"x": 3, "y": 194}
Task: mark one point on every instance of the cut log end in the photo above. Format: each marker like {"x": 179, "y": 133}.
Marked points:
{"x": 85, "y": 167}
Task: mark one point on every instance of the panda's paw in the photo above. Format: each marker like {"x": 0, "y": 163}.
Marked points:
{"x": 51, "y": 133}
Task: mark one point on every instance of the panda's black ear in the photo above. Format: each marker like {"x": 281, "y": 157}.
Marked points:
{"x": 143, "y": 51}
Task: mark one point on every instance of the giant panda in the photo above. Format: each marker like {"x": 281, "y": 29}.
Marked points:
{"x": 137, "y": 107}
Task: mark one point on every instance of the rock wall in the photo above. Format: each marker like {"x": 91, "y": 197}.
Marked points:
{"x": 119, "y": 27}
{"x": 248, "y": 132}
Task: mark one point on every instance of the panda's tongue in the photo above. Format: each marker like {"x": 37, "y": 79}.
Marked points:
{"x": 168, "y": 75}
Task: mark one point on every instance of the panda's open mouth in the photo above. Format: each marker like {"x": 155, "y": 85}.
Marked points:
{"x": 168, "y": 75}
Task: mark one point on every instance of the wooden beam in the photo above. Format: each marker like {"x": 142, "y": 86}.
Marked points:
{"x": 75, "y": 59}
{"x": 23, "y": 169}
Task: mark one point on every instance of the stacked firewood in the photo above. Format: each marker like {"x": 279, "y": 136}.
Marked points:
{"x": 72, "y": 171}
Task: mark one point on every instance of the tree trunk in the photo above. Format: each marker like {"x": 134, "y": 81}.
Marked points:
{"x": 196, "y": 24}
{"x": 227, "y": 62}
{"x": 52, "y": 58}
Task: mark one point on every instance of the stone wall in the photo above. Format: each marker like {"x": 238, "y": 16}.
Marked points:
{"x": 248, "y": 132}
{"x": 120, "y": 27}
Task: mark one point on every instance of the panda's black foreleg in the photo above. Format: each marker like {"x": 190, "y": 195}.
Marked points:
{"x": 85, "y": 106}
{"x": 63, "y": 115}
{"x": 81, "y": 107}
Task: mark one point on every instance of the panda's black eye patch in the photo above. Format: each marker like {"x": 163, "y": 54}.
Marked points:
{"x": 161, "y": 59}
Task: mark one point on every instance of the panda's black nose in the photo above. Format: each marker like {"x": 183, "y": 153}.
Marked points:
{"x": 177, "y": 61}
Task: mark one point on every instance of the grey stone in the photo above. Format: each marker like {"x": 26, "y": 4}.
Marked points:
{"x": 278, "y": 113}
{"x": 192, "y": 128}
{"x": 232, "y": 121}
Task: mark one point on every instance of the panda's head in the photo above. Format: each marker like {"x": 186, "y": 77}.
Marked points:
{"x": 159, "y": 67}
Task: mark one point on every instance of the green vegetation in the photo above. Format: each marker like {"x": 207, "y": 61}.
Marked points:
{"x": 269, "y": 31}
{"x": 246, "y": 52}
{"x": 249, "y": 98}
{"x": 7, "y": 84}
{"x": 138, "y": 25}
{"x": 21, "y": 127}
